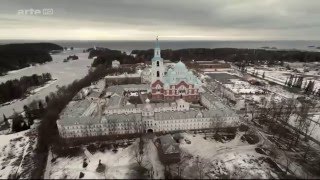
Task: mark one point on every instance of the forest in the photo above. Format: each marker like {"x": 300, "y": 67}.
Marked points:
{"x": 231, "y": 54}
{"x": 254, "y": 56}
{"x": 17, "y": 56}
{"x": 16, "y": 89}
{"x": 106, "y": 56}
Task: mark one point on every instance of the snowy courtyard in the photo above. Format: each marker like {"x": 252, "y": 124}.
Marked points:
{"x": 242, "y": 155}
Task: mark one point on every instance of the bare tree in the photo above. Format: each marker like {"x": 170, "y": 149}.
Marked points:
{"x": 290, "y": 107}
{"x": 216, "y": 123}
{"x": 137, "y": 154}
{"x": 183, "y": 158}
{"x": 309, "y": 133}
{"x": 199, "y": 167}
{"x": 302, "y": 123}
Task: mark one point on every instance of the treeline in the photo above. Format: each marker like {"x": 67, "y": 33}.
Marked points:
{"x": 15, "y": 89}
{"x": 17, "y": 56}
{"x": 106, "y": 56}
{"x": 231, "y": 54}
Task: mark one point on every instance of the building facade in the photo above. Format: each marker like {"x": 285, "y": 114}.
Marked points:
{"x": 115, "y": 64}
{"x": 174, "y": 83}
{"x": 77, "y": 120}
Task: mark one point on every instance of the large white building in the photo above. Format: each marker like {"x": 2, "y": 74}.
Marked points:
{"x": 97, "y": 112}
{"x": 108, "y": 115}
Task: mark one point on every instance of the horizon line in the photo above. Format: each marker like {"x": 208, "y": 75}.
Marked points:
{"x": 151, "y": 40}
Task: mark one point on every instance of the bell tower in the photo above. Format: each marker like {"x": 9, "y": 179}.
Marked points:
{"x": 157, "y": 64}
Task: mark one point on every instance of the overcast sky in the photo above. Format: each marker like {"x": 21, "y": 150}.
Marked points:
{"x": 170, "y": 19}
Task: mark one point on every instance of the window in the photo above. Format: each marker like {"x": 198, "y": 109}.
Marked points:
{"x": 158, "y": 63}
{"x": 158, "y": 74}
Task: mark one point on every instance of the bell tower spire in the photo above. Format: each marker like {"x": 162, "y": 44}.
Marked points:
{"x": 157, "y": 63}
{"x": 157, "y": 50}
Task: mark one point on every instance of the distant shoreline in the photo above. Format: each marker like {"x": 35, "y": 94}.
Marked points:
{"x": 129, "y": 45}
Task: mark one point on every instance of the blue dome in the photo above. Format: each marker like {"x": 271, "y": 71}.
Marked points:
{"x": 180, "y": 65}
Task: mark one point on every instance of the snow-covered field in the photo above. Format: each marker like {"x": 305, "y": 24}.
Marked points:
{"x": 280, "y": 76}
{"x": 229, "y": 159}
{"x": 16, "y": 154}
{"x": 242, "y": 87}
{"x": 314, "y": 128}
{"x": 234, "y": 159}
{"x": 119, "y": 165}
{"x": 65, "y": 73}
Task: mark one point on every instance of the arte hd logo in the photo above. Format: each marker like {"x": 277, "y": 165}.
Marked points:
{"x": 36, "y": 12}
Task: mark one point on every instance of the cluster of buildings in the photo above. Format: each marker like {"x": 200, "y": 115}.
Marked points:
{"x": 172, "y": 83}
{"x": 173, "y": 100}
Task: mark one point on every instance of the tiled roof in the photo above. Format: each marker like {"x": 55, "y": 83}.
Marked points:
{"x": 168, "y": 145}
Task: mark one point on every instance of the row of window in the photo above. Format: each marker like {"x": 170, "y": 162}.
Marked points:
{"x": 127, "y": 125}
{"x": 124, "y": 131}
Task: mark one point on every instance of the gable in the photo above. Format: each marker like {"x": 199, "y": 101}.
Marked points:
{"x": 182, "y": 83}
{"x": 157, "y": 82}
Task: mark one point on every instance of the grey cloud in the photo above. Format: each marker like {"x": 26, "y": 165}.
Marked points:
{"x": 285, "y": 18}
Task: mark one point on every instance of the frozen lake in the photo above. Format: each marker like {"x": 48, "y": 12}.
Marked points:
{"x": 65, "y": 73}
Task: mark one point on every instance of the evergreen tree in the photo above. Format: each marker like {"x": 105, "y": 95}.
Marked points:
{"x": 17, "y": 122}
{"x": 47, "y": 99}
{"x": 318, "y": 92}
{"x": 290, "y": 80}
{"x": 263, "y": 75}
{"x": 286, "y": 83}
{"x": 5, "y": 119}
{"x": 299, "y": 82}
{"x": 309, "y": 88}
{"x": 294, "y": 81}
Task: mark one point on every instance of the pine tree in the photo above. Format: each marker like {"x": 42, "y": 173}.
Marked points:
{"x": 27, "y": 113}
{"x": 263, "y": 75}
{"x": 5, "y": 119}
{"x": 294, "y": 84}
{"x": 318, "y": 92}
{"x": 290, "y": 81}
{"x": 299, "y": 85}
{"x": 286, "y": 83}
{"x": 17, "y": 122}
{"x": 309, "y": 88}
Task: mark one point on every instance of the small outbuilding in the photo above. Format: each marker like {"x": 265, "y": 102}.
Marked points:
{"x": 168, "y": 149}
{"x": 115, "y": 64}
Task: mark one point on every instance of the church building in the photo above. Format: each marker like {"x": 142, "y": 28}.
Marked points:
{"x": 172, "y": 83}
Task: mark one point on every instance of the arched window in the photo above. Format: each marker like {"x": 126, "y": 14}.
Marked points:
{"x": 158, "y": 63}
{"x": 158, "y": 73}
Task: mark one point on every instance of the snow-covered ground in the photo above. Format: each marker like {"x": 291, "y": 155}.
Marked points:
{"x": 280, "y": 76}
{"x": 65, "y": 73}
{"x": 43, "y": 87}
{"x": 314, "y": 128}
{"x": 234, "y": 159}
{"x": 119, "y": 165}
{"x": 16, "y": 154}
{"x": 242, "y": 87}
